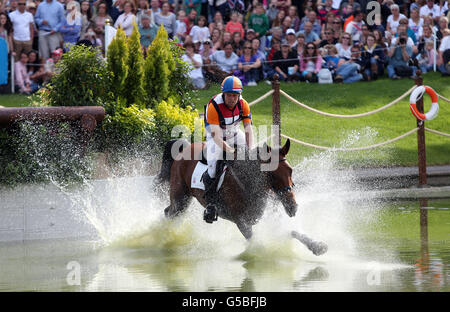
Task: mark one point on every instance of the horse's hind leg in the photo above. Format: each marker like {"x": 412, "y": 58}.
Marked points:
{"x": 245, "y": 229}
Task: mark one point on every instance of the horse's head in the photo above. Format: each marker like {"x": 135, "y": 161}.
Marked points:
{"x": 281, "y": 179}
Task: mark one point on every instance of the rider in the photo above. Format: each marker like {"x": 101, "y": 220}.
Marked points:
{"x": 222, "y": 122}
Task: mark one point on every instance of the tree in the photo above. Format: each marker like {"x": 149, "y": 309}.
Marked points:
{"x": 117, "y": 64}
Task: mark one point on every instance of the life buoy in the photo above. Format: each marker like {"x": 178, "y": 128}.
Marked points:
{"x": 416, "y": 95}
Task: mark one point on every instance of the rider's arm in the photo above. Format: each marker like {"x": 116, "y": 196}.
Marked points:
{"x": 248, "y": 134}
{"x": 216, "y": 133}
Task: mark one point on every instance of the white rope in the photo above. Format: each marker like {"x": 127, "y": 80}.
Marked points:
{"x": 352, "y": 148}
{"x": 347, "y": 116}
{"x": 260, "y": 98}
{"x": 444, "y": 98}
{"x": 437, "y": 132}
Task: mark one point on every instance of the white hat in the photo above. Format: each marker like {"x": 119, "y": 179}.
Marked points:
{"x": 290, "y": 31}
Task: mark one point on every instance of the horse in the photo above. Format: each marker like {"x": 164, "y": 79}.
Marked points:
{"x": 245, "y": 188}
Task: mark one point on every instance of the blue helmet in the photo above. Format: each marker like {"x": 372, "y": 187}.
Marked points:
{"x": 232, "y": 84}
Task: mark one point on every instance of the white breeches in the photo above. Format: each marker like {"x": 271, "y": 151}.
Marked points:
{"x": 215, "y": 153}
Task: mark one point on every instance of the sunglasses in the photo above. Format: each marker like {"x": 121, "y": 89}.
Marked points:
{"x": 247, "y": 47}
{"x": 328, "y": 33}
{"x": 22, "y": 3}
{"x": 336, "y": 22}
{"x": 310, "y": 48}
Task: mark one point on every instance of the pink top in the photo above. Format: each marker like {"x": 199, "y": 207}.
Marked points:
{"x": 232, "y": 27}
{"x": 318, "y": 63}
{"x": 21, "y": 75}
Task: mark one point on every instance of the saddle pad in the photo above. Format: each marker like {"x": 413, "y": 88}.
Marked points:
{"x": 197, "y": 176}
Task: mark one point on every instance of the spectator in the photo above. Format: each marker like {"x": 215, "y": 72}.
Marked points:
{"x": 249, "y": 65}
{"x": 427, "y": 36}
{"x": 291, "y": 38}
{"x": 442, "y": 26}
{"x": 99, "y": 20}
{"x": 431, "y": 9}
{"x": 354, "y": 28}
{"x": 144, "y": 9}
{"x": 234, "y": 25}
{"x": 147, "y": 31}
{"x": 195, "y": 60}
{"x": 126, "y": 19}
{"x": 49, "y": 18}
{"x": 444, "y": 54}
{"x": 295, "y": 19}
{"x": 337, "y": 28}
{"x": 35, "y": 70}
{"x": 23, "y": 25}
{"x": 278, "y": 21}
{"x": 301, "y": 44}
{"x": 399, "y": 55}
{"x": 348, "y": 70}
{"x": 344, "y": 46}
{"x": 425, "y": 59}
{"x": 256, "y": 50}
{"x": 180, "y": 33}
{"x": 310, "y": 35}
{"x": 22, "y": 80}
{"x": 283, "y": 5}
{"x": 238, "y": 43}
{"x": 50, "y": 65}
{"x": 115, "y": 8}
{"x": 310, "y": 63}
{"x": 218, "y": 19}
{"x": 416, "y": 23}
{"x": 327, "y": 8}
{"x": 206, "y": 52}
{"x": 154, "y": 6}
{"x": 216, "y": 40}
{"x": 193, "y": 5}
{"x": 226, "y": 62}
{"x": 373, "y": 58}
{"x": 71, "y": 27}
{"x": 190, "y": 21}
{"x": 166, "y": 18}
{"x": 331, "y": 58}
{"x": 329, "y": 39}
{"x": 394, "y": 19}
{"x": 92, "y": 37}
{"x": 328, "y": 24}
{"x": 6, "y": 31}
{"x": 86, "y": 16}
{"x": 259, "y": 22}
{"x": 312, "y": 18}
{"x": 365, "y": 32}
{"x": 200, "y": 32}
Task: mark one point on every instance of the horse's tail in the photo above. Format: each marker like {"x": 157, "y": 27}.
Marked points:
{"x": 167, "y": 159}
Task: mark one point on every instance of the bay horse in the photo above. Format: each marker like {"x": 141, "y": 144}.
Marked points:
{"x": 245, "y": 189}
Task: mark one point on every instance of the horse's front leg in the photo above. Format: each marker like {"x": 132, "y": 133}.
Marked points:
{"x": 245, "y": 229}
{"x": 179, "y": 201}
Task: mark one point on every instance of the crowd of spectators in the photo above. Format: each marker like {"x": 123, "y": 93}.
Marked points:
{"x": 300, "y": 40}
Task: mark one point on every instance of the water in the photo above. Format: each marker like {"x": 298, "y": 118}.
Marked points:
{"x": 374, "y": 245}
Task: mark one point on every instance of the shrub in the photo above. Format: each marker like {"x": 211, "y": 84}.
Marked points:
{"x": 83, "y": 79}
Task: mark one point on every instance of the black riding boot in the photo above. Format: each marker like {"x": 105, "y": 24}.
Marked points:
{"x": 210, "y": 214}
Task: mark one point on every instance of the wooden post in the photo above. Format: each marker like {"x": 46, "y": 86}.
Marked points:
{"x": 422, "y": 163}
{"x": 276, "y": 118}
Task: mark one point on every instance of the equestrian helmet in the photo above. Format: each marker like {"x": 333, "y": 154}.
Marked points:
{"x": 232, "y": 84}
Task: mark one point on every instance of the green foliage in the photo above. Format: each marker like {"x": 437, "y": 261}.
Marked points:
{"x": 133, "y": 90}
{"x": 158, "y": 66}
{"x": 179, "y": 84}
{"x": 33, "y": 153}
{"x": 82, "y": 79}
{"x": 117, "y": 66}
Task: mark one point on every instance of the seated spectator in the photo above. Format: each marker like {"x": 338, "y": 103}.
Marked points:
{"x": 225, "y": 62}
{"x": 195, "y": 60}
{"x": 400, "y": 53}
{"x": 238, "y": 43}
{"x": 50, "y": 65}
{"x": 364, "y": 33}
{"x": 21, "y": 79}
{"x": 126, "y": 19}
{"x": 415, "y": 23}
{"x": 403, "y": 27}
{"x": 310, "y": 63}
{"x": 344, "y": 46}
{"x": 71, "y": 26}
{"x": 206, "y": 51}
{"x": 166, "y": 18}
{"x": 329, "y": 39}
{"x": 216, "y": 40}
{"x": 35, "y": 70}
{"x": 431, "y": 9}
{"x": 256, "y": 50}
{"x": 249, "y": 65}
{"x": 143, "y": 8}
{"x": 329, "y": 22}
{"x": 331, "y": 58}
{"x": 310, "y": 35}
{"x": 250, "y": 35}
{"x": 86, "y": 16}
{"x": 354, "y": 28}
{"x": 190, "y": 21}
{"x": 99, "y": 20}
{"x": 285, "y": 63}
{"x": 349, "y": 70}
{"x": 301, "y": 44}
{"x": 295, "y": 19}
{"x": 440, "y": 28}
{"x": 394, "y": 19}
{"x": 444, "y": 54}
{"x": 291, "y": 38}
{"x": 200, "y": 32}
{"x": 427, "y": 36}
{"x": 180, "y": 32}
{"x": 425, "y": 58}
{"x": 147, "y": 32}
{"x": 278, "y": 20}
{"x": 234, "y": 26}
{"x": 327, "y": 8}
{"x": 92, "y": 37}
{"x": 217, "y": 19}
{"x": 373, "y": 58}
{"x": 315, "y": 23}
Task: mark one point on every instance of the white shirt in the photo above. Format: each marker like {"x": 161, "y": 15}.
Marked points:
{"x": 336, "y": 4}
{"x": 435, "y": 11}
{"x": 21, "y": 23}
{"x": 195, "y": 72}
{"x": 394, "y": 24}
{"x": 199, "y": 33}
{"x": 342, "y": 52}
{"x": 355, "y": 29}
{"x": 126, "y": 22}
{"x": 445, "y": 44}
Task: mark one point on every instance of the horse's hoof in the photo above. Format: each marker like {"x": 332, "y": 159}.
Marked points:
{"x": 319, "y": 248}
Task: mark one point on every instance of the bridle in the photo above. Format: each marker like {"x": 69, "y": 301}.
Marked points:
{"x": 280, "y": 191}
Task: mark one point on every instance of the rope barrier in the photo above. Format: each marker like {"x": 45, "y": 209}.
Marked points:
{"x": 443, "y": 98}
{"x": 347, "y": 116}
{"x": 352, "y": 148}
{"x": 437, "y": 132}
{"x": 260, "y": 98}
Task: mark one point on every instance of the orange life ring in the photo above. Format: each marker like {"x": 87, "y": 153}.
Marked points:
{"x": 416, "y": 95}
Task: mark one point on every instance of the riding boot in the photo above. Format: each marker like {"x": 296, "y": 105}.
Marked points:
{"x": 210, "y": 214}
